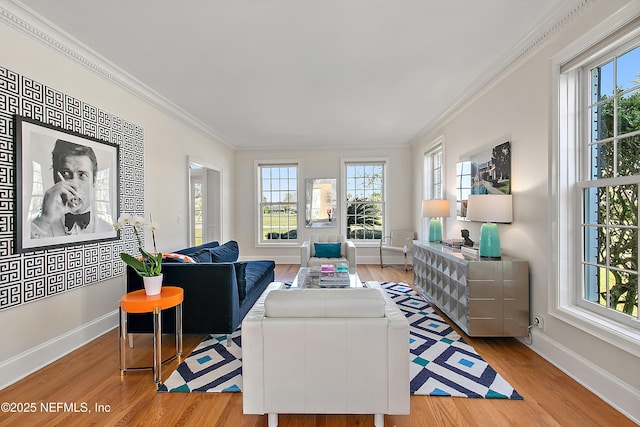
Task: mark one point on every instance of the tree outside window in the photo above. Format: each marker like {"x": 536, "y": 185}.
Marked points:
{"x": 364, "y": 200}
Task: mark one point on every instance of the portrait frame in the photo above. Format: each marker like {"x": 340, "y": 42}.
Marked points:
{"x": 34, "y": 142}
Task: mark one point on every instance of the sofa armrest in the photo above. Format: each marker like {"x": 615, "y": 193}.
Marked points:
{"x": 305, "y": 253}
{"x": 350, "y": 254}
{"x": 399, "y": 375}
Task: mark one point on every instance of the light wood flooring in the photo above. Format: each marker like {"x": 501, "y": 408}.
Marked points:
{"x": 90, "y": 376}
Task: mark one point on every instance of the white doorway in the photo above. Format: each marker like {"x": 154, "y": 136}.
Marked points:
{"x": 205, "y": 203}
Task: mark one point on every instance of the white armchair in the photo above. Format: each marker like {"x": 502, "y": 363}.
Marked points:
{"x": 397, "y": 242}
{"x": 347, "y": 251}
{"x": 325, "y": 351}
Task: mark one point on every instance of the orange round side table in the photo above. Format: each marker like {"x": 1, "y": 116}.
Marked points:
{"x": 140, "y": 302}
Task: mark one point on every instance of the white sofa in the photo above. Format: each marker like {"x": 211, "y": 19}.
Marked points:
{"x": 347, "y": 251}
{"x": 325, "y": 351}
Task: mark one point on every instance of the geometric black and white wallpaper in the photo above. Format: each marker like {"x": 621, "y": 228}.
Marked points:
{"x": 31, "y": 276}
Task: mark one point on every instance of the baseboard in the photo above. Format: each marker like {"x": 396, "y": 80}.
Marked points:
{"x": 612, "y": 390}
{"x": 14, "y": 369}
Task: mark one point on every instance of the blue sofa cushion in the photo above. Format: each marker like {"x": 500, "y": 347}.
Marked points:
{"x": 188, "y": 251}
{"x": 256, "y": 272}
{"x": 228, "y": 252}
{"x": 241, "y": 278}
{"x": 327, "y": 250}
{"x": 203, "y": 255}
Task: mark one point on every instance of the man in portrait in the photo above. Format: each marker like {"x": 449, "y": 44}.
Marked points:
{"x": 68, "y": 206}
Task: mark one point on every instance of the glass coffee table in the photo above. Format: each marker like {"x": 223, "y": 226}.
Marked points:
{"x": 306, "y": 280}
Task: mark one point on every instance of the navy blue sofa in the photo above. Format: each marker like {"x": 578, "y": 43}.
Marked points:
{"x": 217, "y": 295}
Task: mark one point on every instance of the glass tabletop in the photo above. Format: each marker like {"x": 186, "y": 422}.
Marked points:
{"x": 307, "y": 278}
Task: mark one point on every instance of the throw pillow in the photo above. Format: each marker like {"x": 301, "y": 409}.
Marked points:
{"x": 241, "y": 278}
{"x": 173, "y": 257}
{"x": 327, "y": 250}
{"x": 228, "y": 252}
{"x": 203, "y": 255}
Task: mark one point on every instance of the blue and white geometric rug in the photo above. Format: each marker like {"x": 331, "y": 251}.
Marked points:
{"x": 441, "y": 363}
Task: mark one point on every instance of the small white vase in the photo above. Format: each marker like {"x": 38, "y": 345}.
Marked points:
{"x": 153, "y": 284}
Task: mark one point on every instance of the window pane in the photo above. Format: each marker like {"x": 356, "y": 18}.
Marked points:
{"x": 593, "y": 238}
{"x": 591, "y": 286}
{"x": 623, "y": 201}
{"x": 623, "y": 292}
{"x": 601, "y": 82}
{"x": 602, "y": 164}
{"x": 629, "y": 156}
{"x": 629, "y": 112}
{"x": 625, "y": 241}
{"x": 602, "y": 121}
{"x": 628, "y": 67}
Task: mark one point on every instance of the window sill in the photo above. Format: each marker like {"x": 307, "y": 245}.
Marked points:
{"x": 279, "y": 244}
{"x": 621, "y": 336}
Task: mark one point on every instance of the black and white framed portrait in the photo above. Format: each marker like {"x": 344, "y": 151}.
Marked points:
{"x": 66, "y": 187}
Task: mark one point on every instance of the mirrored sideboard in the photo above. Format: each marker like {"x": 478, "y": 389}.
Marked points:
{"x": 484, "y": 297}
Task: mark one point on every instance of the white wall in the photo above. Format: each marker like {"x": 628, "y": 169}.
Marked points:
{"x": 516, "y": 108}
{"x": 38, "y": 332}
{"x": 318, "y": 164}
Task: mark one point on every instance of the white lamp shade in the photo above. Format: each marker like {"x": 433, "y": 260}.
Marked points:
{"x": 490, "y": 208}
{"x": 436, "y": 208}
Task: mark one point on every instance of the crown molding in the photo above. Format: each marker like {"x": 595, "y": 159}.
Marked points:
{"x": 31, "y": 24}
{"x": 530, "y": 44}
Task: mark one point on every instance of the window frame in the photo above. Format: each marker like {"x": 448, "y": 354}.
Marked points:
{"x": 565, "y": 202}
{"x": 260, "y": 239}
{"x": 587, "y": 181}
{"x": 343, "y": 197}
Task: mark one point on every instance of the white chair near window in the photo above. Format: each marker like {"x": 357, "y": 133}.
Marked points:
{"x": 399, "y": 242}
{"x": 346, "y": 252}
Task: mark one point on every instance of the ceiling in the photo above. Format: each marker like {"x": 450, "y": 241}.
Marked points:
{"x": 302, "y": 73}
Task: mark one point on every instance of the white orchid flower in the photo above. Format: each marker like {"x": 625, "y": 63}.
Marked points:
{"x": 125, "y": 219}
{"x": 138, "y": 222}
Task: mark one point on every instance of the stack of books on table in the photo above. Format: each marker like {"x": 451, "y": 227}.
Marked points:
{"x": 470, "y": 252}
{"x": 331, "y": 277}
{"x": 453, "y": 243}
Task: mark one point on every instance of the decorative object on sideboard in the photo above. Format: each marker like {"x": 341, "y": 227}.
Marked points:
{"x": 491, "y": 209}
{"x": 470, "y": 252}
{"x": 435, "y": 209}
{"x": 465, "y": 237}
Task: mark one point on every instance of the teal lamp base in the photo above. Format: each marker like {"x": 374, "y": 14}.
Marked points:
{"x": 435, "y": 230}
{"x": 489, "y": 240}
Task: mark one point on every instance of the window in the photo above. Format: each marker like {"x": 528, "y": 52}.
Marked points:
{"x": 364, "y": 195}
{"x": 598, "y": 179}
{"x": 609, "y": 182}
{"x": 278, "y": 202}
{"x": 433, "y": 173}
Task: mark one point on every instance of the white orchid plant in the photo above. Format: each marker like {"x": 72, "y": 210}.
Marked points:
{"x": 148, "y": 264}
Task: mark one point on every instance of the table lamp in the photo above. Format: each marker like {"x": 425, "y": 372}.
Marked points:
{"x": 490, "y": 208}
{"x": 435, "y": 209}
